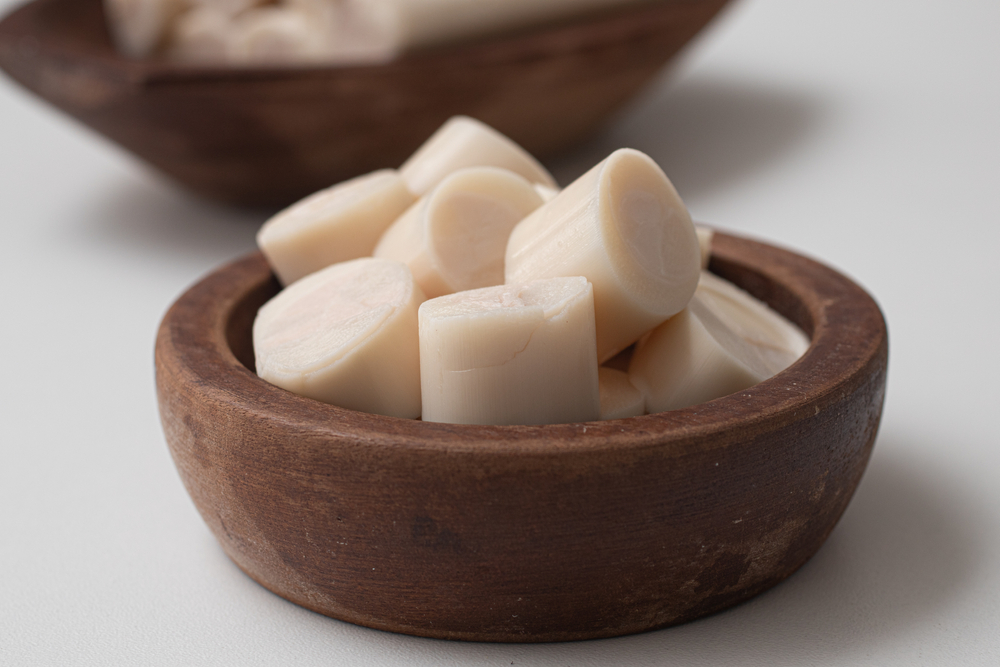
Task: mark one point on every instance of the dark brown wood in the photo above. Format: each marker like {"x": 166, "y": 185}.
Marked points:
{"x": 525, "y": 533}
{"x": 271, "y": 136}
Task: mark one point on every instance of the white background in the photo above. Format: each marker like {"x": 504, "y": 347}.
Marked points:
{"x": 862, "y": 132}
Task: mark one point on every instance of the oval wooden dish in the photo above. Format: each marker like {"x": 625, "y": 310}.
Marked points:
{"x": 525, "y": 533}
{"x": 269, "y": 136}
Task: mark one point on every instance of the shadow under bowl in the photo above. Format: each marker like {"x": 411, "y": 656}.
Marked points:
{"x": 525, "y": 533}
{"x": 270, "y": 136}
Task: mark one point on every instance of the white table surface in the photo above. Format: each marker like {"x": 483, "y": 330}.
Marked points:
{"x": 862, "y": 132}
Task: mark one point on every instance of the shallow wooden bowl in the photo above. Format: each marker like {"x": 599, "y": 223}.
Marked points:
{"x": 525, "y": 533}
{"x": 270, "y": 136}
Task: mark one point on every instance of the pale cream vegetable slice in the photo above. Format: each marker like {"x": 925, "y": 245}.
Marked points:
{"x": 345, "y": 335}
{"x": 279, "y": 34}
{"x": 619, "y": 397}
{"x": 212, "y": 31}
{"x": 204, "y": 34}
{"x": 228, "y": 7}
{"x": 454, "y": 239}
{"x": 779, "y": 341}
{"x": 511, "y": 354}
{"x": 547, "y": 192}
{"x": 355, "y": 29}
{"x": 465, "y": 142}
{"x": 333, "y": 225}
{"x": 140, "y": 26}
{"x": 321, "y": 10}
{"x": 622, "y": 226}
{"x": 407, "y": 24}
{"x": 705, "y": 236}
{"x": 361, "y": 37}
{"x": 692, "y": 358}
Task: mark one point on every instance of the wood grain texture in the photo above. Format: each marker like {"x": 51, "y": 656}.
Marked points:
{"x": 271, "y": 136}
{"x": 525, "y": 533}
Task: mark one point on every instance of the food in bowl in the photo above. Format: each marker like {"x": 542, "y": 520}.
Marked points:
{"x": 525, "y": 533}
{"x": 342, "y": 222}
{"x": 345, "y": 335}
{"x": 319, "y": 31}
{"x": 519, "y": 298}
{"x": 456, "y": 238}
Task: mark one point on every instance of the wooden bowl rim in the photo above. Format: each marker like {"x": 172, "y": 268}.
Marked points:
{"x": 847, "y": 334}
{"x": 580, "y": 34}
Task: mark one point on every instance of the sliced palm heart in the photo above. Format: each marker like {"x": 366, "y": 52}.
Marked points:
{"x": 140, "y": 26}
{"x": 610, "y": 263}
{"x": 231, "y": 7}
{"x": 260, "y": 31}
{"x": 693, "y": 358}
{"x": 464, "y": 142}
{"x": 454, "y": 239}
{"x": 622, "y": 226}
{"x": 278, "y": 34}
{"x": 345, "y": 335}
{"x": 511, "y": 354}
{"x": 333, "y": 225}
{"x": 705, "y": 235}
{"x": 724, "y": 342}
{"x": 352, "y": 31}
{"x": 619, "y": 397}
{"x": 547, "y": 192}
{"x": 778, "y": 341}
{"x": 204, "y": 34}
{"x": 407, "y": 24}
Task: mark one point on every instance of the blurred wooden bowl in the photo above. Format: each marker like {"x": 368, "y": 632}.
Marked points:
{"x": 269, "y": 136}
{"x": 525, "y": 533}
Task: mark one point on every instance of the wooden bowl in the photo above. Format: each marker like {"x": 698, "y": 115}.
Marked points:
{"x": 525, "y": 533}
{"x": 269, "y": 136}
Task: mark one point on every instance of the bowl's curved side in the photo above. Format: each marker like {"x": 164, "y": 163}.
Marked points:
{"x": 525, "y": 533}
{"x": 271, "y": 136}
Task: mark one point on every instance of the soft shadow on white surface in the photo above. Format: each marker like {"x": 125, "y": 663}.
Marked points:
{"x": 707, "y": 133}
{"x": 906, "y": 550}
{"x": 156, "y": 219}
